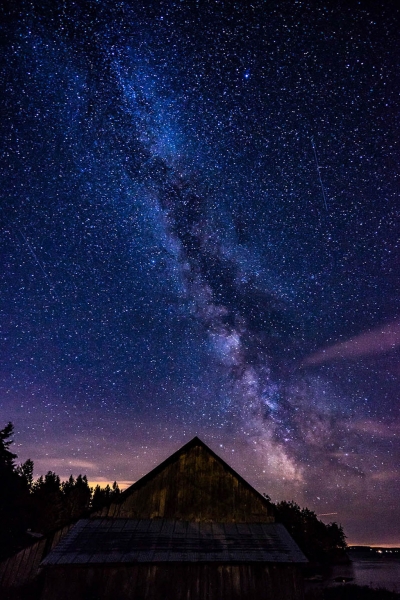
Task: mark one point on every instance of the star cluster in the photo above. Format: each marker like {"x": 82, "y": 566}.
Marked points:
{"x": 200, "y": 236}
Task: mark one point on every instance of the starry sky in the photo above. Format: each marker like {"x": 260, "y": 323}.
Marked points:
{"x": 200, "y": 236}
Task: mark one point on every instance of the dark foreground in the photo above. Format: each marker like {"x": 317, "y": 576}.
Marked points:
{"x": 351, "y": 592}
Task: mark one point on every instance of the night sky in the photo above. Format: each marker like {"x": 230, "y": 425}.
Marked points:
{"x": 200, "y": 236}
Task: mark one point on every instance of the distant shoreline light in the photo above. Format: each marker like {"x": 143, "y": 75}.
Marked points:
{"x": 376, "y": 547}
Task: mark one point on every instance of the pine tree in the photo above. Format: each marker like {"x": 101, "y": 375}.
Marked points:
{"x": 6, "y": 457}
{"x": 14, "y": 496}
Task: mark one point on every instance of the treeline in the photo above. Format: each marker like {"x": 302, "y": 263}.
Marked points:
{"x": 322, "y": 544}
{"x": 32, "y": 507}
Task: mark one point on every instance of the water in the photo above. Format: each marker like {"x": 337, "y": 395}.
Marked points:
{"x": 375, "y": 569}
{"x": 370, "y": 568}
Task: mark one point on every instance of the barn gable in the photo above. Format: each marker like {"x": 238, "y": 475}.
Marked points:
{"x": 193, "y": 484}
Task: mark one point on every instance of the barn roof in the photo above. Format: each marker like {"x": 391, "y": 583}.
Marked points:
{"x": 100, "y": 541}
{"x": 193, "y": 484}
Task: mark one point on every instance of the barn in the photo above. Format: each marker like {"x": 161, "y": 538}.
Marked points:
{"x": 190, "y": 529}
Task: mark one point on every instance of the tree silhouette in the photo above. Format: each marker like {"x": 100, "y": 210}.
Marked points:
{"x": 103, "y": 496}
{"x": 77, "y": 494}
{"x": 14, "y": 495}
{"x": 6, "y": 457}
{"x": 26, "y": 471}
{"x": 320, "y": 543}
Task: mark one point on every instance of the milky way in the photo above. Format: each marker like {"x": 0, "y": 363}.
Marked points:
{"x": 200, "y": 236}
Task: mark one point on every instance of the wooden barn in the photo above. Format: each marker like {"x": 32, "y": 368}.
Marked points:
{"x": 190, "y": 529}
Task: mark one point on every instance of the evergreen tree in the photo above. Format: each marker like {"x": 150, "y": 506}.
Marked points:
{"x": 103, "y": 496}
{"x": 6, "y": 457}
{"x": 77, "y": 494}
{"x": 320, "y": 543}
{"x": 47, "y": 506}
{"x": 26, "y": 471}
{"x": 14, "y": 497}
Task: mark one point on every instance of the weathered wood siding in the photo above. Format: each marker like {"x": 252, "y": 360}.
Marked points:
{"x": 194, "y": 487}
{"x": 23, "y": 566}
{"x": 174, "y": 581}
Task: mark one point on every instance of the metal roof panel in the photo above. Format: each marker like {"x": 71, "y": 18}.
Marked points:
{"x": 99, "y": 541}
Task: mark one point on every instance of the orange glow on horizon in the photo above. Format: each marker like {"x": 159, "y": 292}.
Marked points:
{"x": 388, "y": 546}
{"x": 103, "y": 483}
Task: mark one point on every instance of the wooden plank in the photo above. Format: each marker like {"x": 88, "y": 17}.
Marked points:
{"x": 22, "y": 572}
{"x": 12, "y": 570}
{"x": 25, "y": 567}
{"x": 3, "y": 570}
{"x": 176, "y": 581}
{"x": 36, "y": 558}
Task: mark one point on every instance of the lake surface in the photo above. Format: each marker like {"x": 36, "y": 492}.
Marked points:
{"x": 371, "y": 568}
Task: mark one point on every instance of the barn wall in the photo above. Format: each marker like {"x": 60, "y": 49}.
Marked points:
{"x": 23, "y": 566}
{"x": 178, "y": 581}
{"x": 195, "y": 487}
